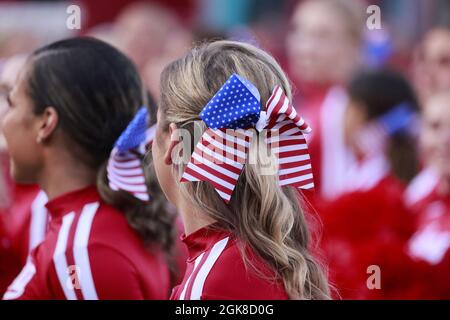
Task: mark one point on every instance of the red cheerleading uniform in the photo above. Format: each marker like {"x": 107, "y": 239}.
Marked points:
{"x": 370, "y": 227}
{"x": 216, "y": 271}
{"x": 329, "y": 155}
{"x": 430, "y": 244}
{"x": 90, "y": 252}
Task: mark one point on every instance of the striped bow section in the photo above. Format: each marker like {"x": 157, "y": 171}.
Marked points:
{"x": 285, "y": 138}
{"x": 219, "y": 158}
{"x": 125, "y": 173}
{"x": 125, "y": 169}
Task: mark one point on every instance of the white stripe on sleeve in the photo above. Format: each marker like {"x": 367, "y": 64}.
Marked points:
{"x": 59, "y": 256}
{"x": 80, "y": 251}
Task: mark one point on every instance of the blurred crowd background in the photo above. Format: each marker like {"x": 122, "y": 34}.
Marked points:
{"x": 378, "y": 102}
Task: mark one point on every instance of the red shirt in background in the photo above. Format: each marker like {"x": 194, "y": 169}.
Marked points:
{"x": 430, "y": 244}
{"x": 364, "y": 228}
{"x": 323, "y": 108}
{"x": 103, "y": 11}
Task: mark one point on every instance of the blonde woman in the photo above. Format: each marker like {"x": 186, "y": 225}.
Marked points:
{"x": 246, "y": 234}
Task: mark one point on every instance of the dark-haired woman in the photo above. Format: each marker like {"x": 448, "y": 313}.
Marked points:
{"x": 367, "y": 227}
{"x": 67, "y": 128}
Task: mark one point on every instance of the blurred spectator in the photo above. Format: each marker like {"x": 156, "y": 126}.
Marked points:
{"x": 324, "y": 50}
{"x": 142, "y": 29}
{"x": 431, "y": 242}
{"x": 368, "y": 224}
{"x": 151, "y": 36}
{"x": 432, "y": 75}
{"x": 325, "y": 41}
{"x": 105, "y": 11}
{"x": 432, "y": 63}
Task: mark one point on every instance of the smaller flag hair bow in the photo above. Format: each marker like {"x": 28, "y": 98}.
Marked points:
{"x": 401, "y": 118}
{"x": 231, "y": 117}
{"x": 125, "y": 169}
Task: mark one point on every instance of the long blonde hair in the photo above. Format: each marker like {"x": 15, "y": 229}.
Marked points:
{"x": 265, "y": 216}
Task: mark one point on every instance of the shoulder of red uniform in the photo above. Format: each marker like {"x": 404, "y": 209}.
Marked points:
{"x": 234, "y": 278}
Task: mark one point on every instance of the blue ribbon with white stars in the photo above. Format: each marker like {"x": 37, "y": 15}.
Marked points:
{"x": 235, "y": 106}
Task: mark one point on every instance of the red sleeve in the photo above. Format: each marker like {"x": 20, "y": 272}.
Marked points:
{"x": 113, "y": 274}
{"x": 30, "y": 283}
{"x": 108, "y": 274}
{"x": 232, "y": 279}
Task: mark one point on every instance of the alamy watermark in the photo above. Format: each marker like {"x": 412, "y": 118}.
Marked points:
{"x": 72, "y": 281}
{"x": 373, "y": 22}
{"x": 374, "y": 280}
{"x": 73, "y": 21}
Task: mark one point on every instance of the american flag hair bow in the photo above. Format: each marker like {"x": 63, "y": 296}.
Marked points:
{"x": 372, "y": 138}
{"x": 125, "y": 169}
{"x": 231, "y": 117}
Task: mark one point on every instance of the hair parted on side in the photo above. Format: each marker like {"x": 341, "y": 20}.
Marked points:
{"x": 266, "y": 217}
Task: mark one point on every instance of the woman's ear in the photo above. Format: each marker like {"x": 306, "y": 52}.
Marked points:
{"x": 48, "y": 122}
{"x": 174, "y": 140}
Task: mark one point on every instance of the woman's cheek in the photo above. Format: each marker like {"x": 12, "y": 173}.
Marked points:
{"x": 6, "y": 124}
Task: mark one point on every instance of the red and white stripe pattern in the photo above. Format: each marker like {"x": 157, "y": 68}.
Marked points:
{"x": 285, "y": 138}
{"x": 220, "y": 155}
{"x": 125, "y": 171}
{"x": 70, "y": 259}
{"x": 219, "y": 158}
{"x": 193, "y": 287}
{"x": 71, "y": 256}
{"x": 39, "y": 220}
